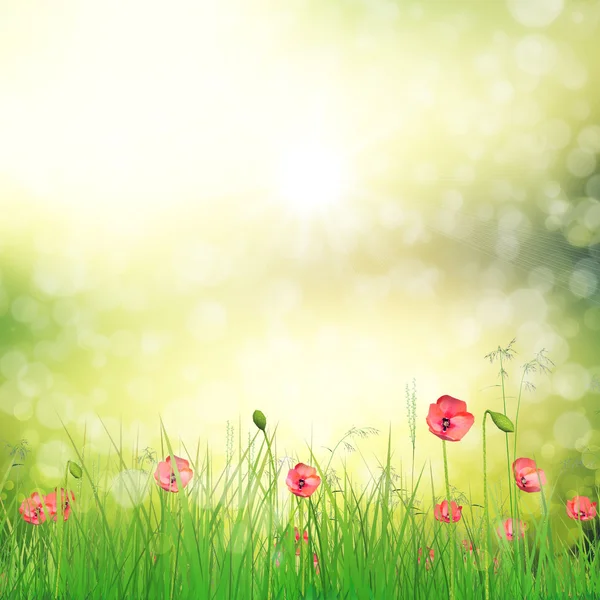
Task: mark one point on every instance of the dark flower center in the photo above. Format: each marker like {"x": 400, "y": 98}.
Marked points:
{"x": 173, "y": 478}
{"x": 445, "y": 424}
{"x": 582, "y": 514}
{"x": 301, "y": 483}
{"x": 523, "y": 481}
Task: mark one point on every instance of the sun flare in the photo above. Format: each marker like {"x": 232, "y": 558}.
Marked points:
{"x": 311, "y": 179}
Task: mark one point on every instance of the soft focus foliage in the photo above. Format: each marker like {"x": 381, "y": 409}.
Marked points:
{"x": 300, "y": 206}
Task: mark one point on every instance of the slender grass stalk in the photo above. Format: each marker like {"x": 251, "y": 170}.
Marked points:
{"x": 486, "y": 514}
{"x": 411, "y": 408}
{"x": 517, "y": 516}
{"x": 271, "y": 506}
{"x": 508, "y": 461}
{"x": 61, "y": 524}
{"x": 451, "y": 535}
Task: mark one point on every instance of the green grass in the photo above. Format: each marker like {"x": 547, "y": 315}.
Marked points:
{"x": 230, "y": 532}
{"x": 220, "y": 538}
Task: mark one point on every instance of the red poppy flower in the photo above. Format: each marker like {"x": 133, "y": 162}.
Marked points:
{"x": 52, "y": 506}
{"x": 505, "y": 530}
{"x": 448, "y": 419}
{"x": 33, "y": 510}
{"x": 428, "y": 560}
{"x": 303, "y": 480}
{"x": 527, "y": 475}
{"x": 297, "y": 536}
{"x": 165, "y": 476}
{"x": 441, "y": 512}
{"x": 581, "y": 508}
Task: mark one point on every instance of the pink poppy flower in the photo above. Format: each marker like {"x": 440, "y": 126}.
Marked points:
{"x": 297, "y": 536}
{"x": 303, "y": 480}
{"x": 428, "y": 560}
{"x": 505, "y": 530}
{"x": 448, "y": 419}
{"x": 33, "y": 510}
{"x": 441, "y": 512}
{"x": 581, "y": 508}
{"x": 527, "y": 475}
{"x": 165, "y": 476}
{"x": 316, "y": 563}
{"x": 52, "y": 506}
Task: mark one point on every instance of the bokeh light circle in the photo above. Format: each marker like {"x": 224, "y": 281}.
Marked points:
{"x": 535, "y": 13}
{"x": 571, "y": 381}
{"x": 569, "y": 428}
{"x": 536, "y": 54}
{"x": 581, "y": 163}
{"x": 590, "y": 457}
{"x": 131, "y": 487}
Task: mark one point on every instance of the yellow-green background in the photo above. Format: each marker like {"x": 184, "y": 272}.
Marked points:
{"x": 299, "y": 206}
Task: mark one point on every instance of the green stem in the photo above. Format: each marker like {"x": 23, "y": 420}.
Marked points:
{"x": 513, "y": 516}
{"x": 412, "y": 478}
{"x": 517, "y": 415}
{"x": 486, "y": 515}
{"x": 451, "y": 536}
{"x": 271, "y": 508}
{"x": 508, "y": 462}
{"x": 60, "y": 522}
{"x": 517, "y": 517}
{"x": 413, "y": 414}
{"x": 299, "y": 542}
{"x": 522, "y": 580}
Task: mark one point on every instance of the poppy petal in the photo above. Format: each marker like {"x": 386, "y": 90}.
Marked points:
{"x": 460, "y": 425}
{"x": 304, "y": 471}
{"x": 451, "y": 406}
{"x": 523, "y": 463}
{"x": 434, "y": 418}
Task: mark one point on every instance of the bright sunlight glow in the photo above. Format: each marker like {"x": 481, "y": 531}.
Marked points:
{"x": 311, "y": 179}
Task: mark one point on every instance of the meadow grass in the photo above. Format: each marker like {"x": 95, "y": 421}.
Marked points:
{"x": 231, "y": 532}
{"x": 231, "y": 535}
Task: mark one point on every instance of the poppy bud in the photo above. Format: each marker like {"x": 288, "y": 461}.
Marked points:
{"x": 501, "y": 421}
{"x": 75, "y": 470}
{"x": 259, "y": 419}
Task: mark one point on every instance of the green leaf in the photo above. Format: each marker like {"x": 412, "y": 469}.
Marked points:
{"x": 502, "y": 422}
{"x": 75, "y": 470}
{"x": 259, "y": 419}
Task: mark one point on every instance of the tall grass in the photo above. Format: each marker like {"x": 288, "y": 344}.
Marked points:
{"x": 231, "y": 534}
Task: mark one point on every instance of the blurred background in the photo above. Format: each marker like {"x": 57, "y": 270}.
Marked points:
{"x": 212, "y": 207}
